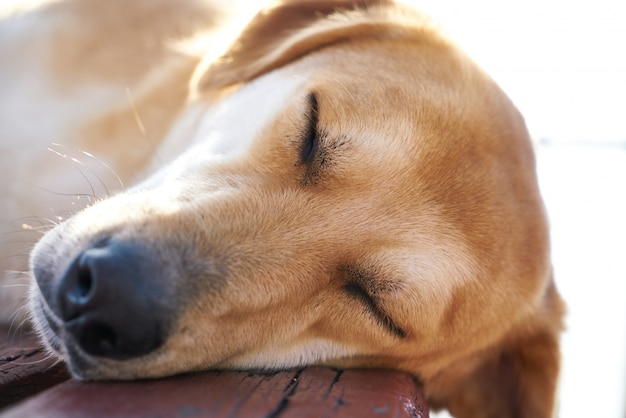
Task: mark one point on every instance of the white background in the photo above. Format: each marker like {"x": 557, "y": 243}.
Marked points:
{"x": 564, "y": 64}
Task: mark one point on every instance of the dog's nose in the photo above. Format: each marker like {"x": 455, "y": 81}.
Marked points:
{"x": 110, "y": 299}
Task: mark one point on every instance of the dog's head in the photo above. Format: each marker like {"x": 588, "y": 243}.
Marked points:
{"x": 363, "y": 195}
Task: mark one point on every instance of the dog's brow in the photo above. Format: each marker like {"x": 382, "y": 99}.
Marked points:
{"x": 355, "y": 287}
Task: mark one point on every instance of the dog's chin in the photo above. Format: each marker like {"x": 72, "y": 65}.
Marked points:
{"x": 82, "y": 366}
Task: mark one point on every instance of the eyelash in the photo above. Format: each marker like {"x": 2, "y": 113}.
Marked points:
{"x": 357, "y": 291}
{"x": 311, "y": 141}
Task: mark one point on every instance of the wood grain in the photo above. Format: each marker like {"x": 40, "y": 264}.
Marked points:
{"x": 25, "y": 367}
{"x": 25, "y": 372}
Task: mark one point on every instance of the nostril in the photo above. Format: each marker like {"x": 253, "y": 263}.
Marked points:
{"x": 84, "y": 283}
{"x": 77, "y": 289}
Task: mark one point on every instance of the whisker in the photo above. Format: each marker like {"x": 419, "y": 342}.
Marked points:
{"x": 25, "y": 223}
{"x": 142, "y": 128}
{"x": 43, "y": 223}
{"x": 18, "y": 255}
{"x": 24, "y": 219}
{"x": 20, "y": 241}
{"x": 64, "y": 156}
{"x": 82, "y": 173}
{"x": 16, "y": 273}
{"x": 87, "y": 195}
{"x": 105, "y": 165}
{"x": 40, "y": 230}
{"x": 21, "y": 279}
{"x": 42, "y": 360}
{"x": 56, "y": 362}
{"x": 25, "y": 230}
{"x": 90, "y": 155}
{"x": 20, "y": 312}
{"x": 27, "y": 318}
{"x": 78, "y": 164}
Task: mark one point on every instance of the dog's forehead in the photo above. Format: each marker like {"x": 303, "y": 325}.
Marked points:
{"x": 373, "y": 95}
{"x": 224, "y": 132}
{"x": 228, "y": 128}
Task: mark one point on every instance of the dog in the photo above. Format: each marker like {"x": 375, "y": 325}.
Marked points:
{"x": 340, "y": 186}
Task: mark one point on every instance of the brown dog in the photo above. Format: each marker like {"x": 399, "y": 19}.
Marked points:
{"x": 354, "y": 192}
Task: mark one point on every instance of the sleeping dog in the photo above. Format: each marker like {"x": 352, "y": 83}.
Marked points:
{"x": 349, "y": 190}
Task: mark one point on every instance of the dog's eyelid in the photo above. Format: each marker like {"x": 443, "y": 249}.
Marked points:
{"x": 310, "y": 141}
{"x": 356, "y": 289}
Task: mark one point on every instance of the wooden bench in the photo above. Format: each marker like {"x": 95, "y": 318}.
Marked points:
{"x": 33, "y": 385}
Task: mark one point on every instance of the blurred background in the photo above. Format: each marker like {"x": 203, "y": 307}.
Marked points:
{"x": 564, "y": 64}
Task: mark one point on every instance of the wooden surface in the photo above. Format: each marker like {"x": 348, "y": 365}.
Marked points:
{"x": 25, "y": 368}
{"x": 311, "y": 392}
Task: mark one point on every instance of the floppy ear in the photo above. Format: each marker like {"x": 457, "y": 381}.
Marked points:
{"x": 518, "y": 379}
{"x": 290, "y": 29}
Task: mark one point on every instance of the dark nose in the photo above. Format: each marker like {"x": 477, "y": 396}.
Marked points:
{"x": 113, "y": 301}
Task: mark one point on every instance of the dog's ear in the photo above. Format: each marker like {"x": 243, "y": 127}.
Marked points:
{"x": 289, "y": 29}
{"x": 519, "y": 378}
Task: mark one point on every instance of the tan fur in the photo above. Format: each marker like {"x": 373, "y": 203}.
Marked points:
{"x": 428, "y": 199}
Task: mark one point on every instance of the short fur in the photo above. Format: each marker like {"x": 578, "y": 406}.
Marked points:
{"x": 383, "y": 211}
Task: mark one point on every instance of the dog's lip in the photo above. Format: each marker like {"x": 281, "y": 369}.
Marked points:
{"x": 54, "y": 336}
{"x": 50, "y": 326}
{"x": 81, "y": 365}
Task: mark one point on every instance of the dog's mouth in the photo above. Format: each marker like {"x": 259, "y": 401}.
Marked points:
{"x": 56, "y": 339}
{"x": 61, "y": 342}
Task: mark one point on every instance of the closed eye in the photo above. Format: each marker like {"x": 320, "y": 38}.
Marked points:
{"x": 310, "y": 141}
{"x": 357, "y": 292}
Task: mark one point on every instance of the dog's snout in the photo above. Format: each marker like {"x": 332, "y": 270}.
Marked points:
{"x": 110, "y": 300}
